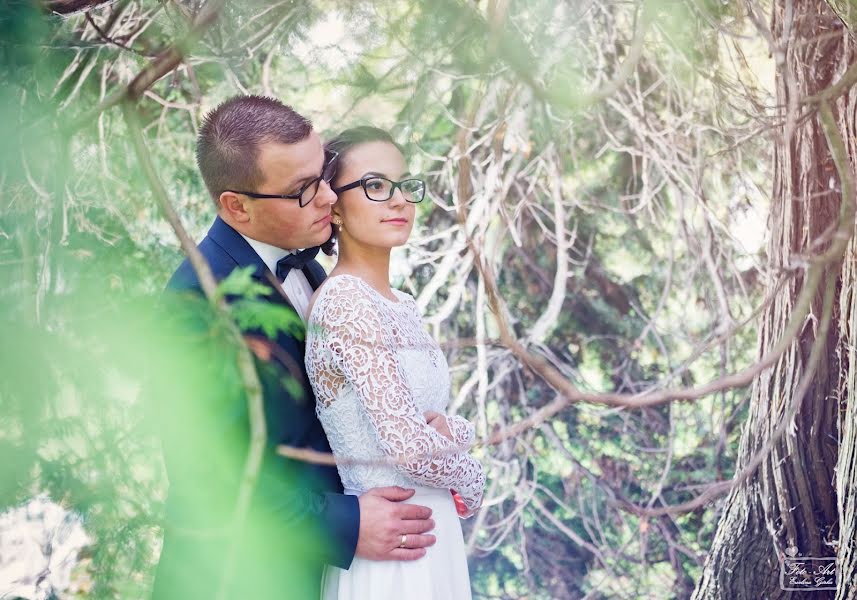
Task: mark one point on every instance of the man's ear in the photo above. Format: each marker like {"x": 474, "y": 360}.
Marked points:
{"x": 232, "y": 205}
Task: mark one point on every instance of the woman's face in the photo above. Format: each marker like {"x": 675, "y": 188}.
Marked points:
{"x": 364, "y": 221}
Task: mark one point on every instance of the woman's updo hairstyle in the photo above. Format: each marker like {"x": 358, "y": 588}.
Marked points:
{"x": 342, "y": 144}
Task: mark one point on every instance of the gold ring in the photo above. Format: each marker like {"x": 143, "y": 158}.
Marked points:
{"x": 404, "y": 540}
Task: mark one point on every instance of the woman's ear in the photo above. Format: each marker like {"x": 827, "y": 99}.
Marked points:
{"x": 232, "y": 205}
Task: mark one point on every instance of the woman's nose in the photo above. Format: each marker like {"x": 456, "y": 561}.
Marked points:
{"x": 398, "y": 198}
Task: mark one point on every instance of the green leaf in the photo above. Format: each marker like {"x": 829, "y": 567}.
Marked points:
{"x": 240, "y": 282}
{"x": 270, "y": 318}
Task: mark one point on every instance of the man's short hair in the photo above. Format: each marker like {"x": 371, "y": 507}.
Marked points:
{"x": 227, "y": 149}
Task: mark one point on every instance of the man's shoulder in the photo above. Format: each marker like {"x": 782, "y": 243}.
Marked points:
{"x": 221, "y": 264}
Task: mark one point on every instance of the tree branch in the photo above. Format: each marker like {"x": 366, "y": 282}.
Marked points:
{"x": 163, "y": 64}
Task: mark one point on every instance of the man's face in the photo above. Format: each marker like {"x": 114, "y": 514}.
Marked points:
{"x": 286, "y": 168}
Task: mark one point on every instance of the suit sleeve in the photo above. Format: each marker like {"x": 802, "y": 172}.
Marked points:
{"x": 205, "y": 431}
{"x": 291, "y": 501}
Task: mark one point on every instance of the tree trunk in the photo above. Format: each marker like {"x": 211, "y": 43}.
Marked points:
{"x": 846, "y": 469}
{"x": 789, "y": 505}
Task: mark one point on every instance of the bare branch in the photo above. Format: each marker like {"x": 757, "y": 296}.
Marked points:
{"x": 161, "y": 65}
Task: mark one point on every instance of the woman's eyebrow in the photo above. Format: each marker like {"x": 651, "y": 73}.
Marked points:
{"x": 404, "y": 175}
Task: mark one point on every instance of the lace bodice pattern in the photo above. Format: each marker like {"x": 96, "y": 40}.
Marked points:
{"x": 375, "y": 371}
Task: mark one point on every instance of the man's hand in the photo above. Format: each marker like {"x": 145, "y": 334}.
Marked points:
{"x": 438, "y": 422}
{"x": 384, "y": 519}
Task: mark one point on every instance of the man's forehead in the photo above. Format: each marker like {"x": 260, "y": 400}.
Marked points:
{"x": 301, "y": 158}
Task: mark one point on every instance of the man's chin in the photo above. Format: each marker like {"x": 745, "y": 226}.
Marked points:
{"x": 324, "y": 235}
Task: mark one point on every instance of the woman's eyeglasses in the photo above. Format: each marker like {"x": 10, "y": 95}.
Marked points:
{"x": 381, "y": 189}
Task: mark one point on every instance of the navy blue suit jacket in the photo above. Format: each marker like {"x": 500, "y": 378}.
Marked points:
{"x": 299, "y": 519}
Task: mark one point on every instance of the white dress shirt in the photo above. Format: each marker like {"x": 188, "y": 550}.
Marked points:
{"x": 296, "y": 287}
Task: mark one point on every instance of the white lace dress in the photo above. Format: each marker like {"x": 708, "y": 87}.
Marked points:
{"x": 374, "y": 371}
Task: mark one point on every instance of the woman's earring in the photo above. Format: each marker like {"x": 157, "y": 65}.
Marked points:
{"x": 337, "y": 220}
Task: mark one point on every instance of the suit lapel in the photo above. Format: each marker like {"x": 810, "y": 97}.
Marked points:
{"x": 244, "y": 256}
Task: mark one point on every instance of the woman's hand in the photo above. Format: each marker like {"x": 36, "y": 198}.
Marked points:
{"x": 437, "y": 421}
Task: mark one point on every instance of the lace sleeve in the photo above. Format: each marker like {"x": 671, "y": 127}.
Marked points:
{"x": 358, "y": 342}
{"x": 463, "y": 432}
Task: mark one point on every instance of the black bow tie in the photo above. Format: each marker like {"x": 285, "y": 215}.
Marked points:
{"x": 295, "y": 261}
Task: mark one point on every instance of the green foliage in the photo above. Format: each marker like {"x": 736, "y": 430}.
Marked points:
{"x": 269, "y": 318}
{"x": 252, "y": 313}
{"x": 90, "y": 367}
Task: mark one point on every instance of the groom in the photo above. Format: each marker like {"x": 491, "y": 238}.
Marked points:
{"x": 265, "y": 168}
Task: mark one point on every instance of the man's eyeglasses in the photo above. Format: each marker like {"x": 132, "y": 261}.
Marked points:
{"x": 306, "y": 194}
{"x": 381, "y": 189}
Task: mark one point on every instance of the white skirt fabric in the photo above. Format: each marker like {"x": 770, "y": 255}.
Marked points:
{"x": 439, "y": 575}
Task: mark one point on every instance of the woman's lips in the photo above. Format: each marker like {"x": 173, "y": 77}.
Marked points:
{"x": 396, "y": 221}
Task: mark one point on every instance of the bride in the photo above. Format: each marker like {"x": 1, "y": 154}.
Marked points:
{"x": 381, "y": 382}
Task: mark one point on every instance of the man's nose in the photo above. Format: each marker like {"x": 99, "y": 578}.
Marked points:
{"x": 325, "y": 194}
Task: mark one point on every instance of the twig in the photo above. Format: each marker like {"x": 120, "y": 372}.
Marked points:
{"x": 161, "y": 65}
{"x": 723, "y": 487}
{"x": 848, "y": 79}
{"x": 104, "y": 36}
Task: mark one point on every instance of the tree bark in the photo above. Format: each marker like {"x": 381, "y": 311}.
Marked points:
{"x": 790, "y": 506}
{"x": 67, "y": 7}
{"x": 846, "y": 469}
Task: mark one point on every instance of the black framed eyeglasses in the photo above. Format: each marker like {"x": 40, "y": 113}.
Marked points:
{"x": 381, "y": 189}
{"x": 307, "y": 193}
